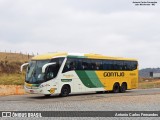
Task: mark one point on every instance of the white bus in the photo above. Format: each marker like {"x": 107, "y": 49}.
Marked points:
{"x": 64, "y": 73}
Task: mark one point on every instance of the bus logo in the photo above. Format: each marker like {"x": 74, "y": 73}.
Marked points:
{"x": 113, "y": 74}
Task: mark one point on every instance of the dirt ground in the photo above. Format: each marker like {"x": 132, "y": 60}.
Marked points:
{"x": 11, "y": 90}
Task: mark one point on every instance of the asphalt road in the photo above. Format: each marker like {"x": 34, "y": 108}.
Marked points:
{"x": 137, "y": 100}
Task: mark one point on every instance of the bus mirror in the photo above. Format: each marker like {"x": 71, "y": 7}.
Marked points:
{"x": 45, "y": 66}
{"x": 25, "y": 64}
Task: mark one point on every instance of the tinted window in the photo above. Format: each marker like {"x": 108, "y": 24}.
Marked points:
{"x": 93, "y": 64}
{"x": 96, "y": 65}
{"x": 119, "y": 65}
{"x": 58, "y": 62}
{"x": 52, "y": 71}
{"x": 86, "y": 64}
{"x": 71, "y": 64}
{"x": 134, "y": 65}
{"x": 130, "y": 65}
{"x": 108, "y": 64}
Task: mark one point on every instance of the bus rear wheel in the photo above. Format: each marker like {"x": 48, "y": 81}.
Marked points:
{"x": 123, "y": 87}
{"x": 116, "y": 88}
{"x": 65, "y": 91}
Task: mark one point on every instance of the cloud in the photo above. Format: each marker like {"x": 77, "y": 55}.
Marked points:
{"x": 115, "y": 28}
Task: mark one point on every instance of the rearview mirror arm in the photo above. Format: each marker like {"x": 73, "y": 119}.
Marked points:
{"x": 46, "y": 65}
{"x": 25, "y": 64}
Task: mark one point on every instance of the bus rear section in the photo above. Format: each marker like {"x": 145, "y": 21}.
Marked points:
{"x": 101, "y": 74}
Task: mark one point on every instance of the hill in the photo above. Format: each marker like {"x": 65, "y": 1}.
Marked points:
{"x": 146, "y": 72}
{"x": 11, "y": 62}
{"x": 10, "y": 68}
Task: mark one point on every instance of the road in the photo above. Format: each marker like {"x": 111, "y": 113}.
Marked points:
{"x": 132, "y": 100}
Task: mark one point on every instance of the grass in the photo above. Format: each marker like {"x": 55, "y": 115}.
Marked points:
{"x": 12, "y": 79}
{"x": 11, "y": 62}
{"x": 149, "y": 84}
{"x": 14, "y": 57}
{"x": 10, "y": 68}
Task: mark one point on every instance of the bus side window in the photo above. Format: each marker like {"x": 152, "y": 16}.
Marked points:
{"x": 58, "y": 62}
{"x": 66, "y": 68}
{"x": 133, "y": 65}
{"x": 92, "y": 65}
{"x": 118, "y": 65}
{"x": 78, "y": 64}
{"x": 107, "y": 65}
{"x": 71, "y": 64}
{"x": 86, "y": 64}
{"x": 126, "y": 65}
{"x": 99, "y": 65}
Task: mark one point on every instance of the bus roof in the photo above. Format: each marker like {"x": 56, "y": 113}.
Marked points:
{"x": 77, "y": 55}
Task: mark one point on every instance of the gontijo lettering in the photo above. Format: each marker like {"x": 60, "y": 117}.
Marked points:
{"x": 113, "y": 74}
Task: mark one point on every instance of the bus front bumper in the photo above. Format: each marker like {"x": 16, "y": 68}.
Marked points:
{"x": 44, "y": 91}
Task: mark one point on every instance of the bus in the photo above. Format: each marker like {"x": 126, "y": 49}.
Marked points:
{"x": 64, "y": 73}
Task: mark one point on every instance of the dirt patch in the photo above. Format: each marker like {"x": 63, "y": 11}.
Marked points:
{"x": 149, "y": 84}
{"x": 11, "y": 90}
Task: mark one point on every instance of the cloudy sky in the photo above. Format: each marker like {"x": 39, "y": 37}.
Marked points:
{"x": 109, "y": 27}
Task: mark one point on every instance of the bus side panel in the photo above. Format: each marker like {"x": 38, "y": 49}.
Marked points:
{"x": 134, "y": 80}
{"x": 89, "y": 80}
{"x": 81, "y": 81}
{"x": 108, "y": 78}
{"x": 85, "y": 81}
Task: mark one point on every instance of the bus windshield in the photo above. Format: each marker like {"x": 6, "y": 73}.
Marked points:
{"x": 34, "y": 72}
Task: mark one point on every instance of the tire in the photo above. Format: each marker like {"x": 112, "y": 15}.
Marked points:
{"x": 47, "y": 95}
{"x": 100, "y": 92}
{"x": 123, "y": 87}
{"x": 116, "y": 88}
{"x": 65, "y": 91}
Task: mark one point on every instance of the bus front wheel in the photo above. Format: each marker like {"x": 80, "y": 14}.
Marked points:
{"x": 65, "y": 91}
{"x": 47, "y": 95}
{"x": 116, "y": 88}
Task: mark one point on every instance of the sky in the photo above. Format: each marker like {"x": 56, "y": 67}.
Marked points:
{"x": 109, "y": 27}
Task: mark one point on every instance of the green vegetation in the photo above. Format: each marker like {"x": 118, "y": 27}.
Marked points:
{"x": 12, "y": 79}
{"x": 10, "y": 68}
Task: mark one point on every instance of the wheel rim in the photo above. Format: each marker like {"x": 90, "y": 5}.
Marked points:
{"x": 116, "y": 88}
{"x": 123, "y": 88}
{"x": 65, "y": 91}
